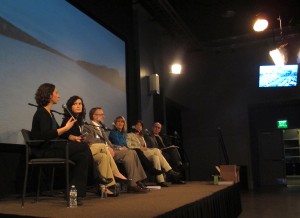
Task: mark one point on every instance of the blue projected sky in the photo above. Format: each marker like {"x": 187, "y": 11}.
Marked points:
{"x": 55, "y": 25}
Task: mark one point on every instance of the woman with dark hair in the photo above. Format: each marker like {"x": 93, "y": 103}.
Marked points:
{"x": 118, "y": 137}
{"x": 100, "y": 156}
{"x": 45, "y": 127}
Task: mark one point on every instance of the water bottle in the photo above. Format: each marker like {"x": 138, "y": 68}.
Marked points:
{"x": 73, "y": 197}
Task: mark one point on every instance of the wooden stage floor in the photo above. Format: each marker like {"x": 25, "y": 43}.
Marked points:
{"x": 156, "y": 203}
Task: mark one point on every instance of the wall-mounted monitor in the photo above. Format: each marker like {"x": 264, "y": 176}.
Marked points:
{"x": 278, "y": 76}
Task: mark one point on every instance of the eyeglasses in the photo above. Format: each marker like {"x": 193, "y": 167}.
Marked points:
{"x": 98, "y": 115}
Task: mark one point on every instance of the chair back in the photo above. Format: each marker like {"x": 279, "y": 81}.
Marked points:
{"x": 26, "y": 135}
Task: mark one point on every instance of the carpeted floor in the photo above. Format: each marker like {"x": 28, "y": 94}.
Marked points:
{"x": 126, "y": 205}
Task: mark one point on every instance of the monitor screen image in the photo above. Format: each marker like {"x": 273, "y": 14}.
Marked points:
{"x": 278, "y": 76}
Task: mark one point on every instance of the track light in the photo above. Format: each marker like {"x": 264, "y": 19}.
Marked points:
{"x": 279, "y": 55}
{"x": 261, "y": 23}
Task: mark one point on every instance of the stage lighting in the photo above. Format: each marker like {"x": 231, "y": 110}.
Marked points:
{"x": 279, "y": 55}
{"x": 260, "y": 25}
{"x": 176, "y": 69}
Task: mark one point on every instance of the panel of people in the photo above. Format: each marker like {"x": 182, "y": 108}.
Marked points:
{"x": 94, "y": 153}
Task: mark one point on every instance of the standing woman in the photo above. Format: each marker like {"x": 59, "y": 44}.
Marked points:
{"x": 45, "y": 127}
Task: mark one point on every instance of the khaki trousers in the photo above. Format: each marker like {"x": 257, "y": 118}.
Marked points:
{"x": 105, "y": 162}
{"x": 159, "y": 162}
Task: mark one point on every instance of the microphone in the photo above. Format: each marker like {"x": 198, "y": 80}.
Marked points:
{"x": 64, "y": 106}
{"x": 103, "y": 126}
{"x": 176, "y": 135}
{"x": 147, "y": 132}
{"x": 54, "y": 111}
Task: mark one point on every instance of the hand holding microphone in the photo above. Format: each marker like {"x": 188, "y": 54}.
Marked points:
{"x": 64, "y": 106}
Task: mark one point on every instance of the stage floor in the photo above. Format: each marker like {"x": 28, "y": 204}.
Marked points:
{"x": 152, "y": 204}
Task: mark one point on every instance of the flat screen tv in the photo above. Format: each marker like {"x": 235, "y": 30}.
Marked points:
{"x": 278, "y": 76}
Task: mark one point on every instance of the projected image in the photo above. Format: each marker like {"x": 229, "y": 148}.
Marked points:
{"x": 275, "y": 76}
{"x": 52, "y": 41}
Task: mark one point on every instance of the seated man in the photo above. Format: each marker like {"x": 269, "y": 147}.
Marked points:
{"x": 154, "y": 140}
{"x": 132, "y": 165}
{"x": 135, "y": 140}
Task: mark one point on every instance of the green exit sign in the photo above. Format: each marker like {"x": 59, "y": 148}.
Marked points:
{"x": 282, "y": 124}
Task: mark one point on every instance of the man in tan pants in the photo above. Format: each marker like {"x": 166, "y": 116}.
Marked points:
{"x": 136, "y": 140}
{"x": 106, "y": 164}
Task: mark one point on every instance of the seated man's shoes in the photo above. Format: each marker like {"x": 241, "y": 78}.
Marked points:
{"x": 173, "y": 174}
{"x": 137, "y": 189}
{"x": 162, "y": 184}
{"x": 155, "y": 172}
{"x": 104, "y": 181}
{"x": 143, "y": 186}
{"x": 178, "y": 181}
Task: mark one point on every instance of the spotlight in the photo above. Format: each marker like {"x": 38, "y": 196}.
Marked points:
{"x": 279, "y": 55}
{"x": 176, "y": 69}
{"x": 260, "y": 25}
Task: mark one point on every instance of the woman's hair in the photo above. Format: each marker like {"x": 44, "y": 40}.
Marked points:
{"x": 81, "y": 116}
{"x": 43, "y": 94}
{"x": 133, "y": 129}
{"x": 124, "y": 130}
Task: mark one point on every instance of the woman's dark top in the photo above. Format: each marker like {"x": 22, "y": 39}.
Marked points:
{"x": 75, "y": 130}
{"x": 44, "y": 125}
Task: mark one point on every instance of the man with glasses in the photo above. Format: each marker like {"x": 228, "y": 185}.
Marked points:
{"x": 96, "y": 134}
{"x": 154, "y": 140}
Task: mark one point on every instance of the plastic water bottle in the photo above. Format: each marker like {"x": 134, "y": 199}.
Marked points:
{"x": 73, "y": 197}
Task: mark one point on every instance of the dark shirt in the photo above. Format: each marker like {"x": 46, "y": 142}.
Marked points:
{"x": 44, "y": 125}
{"x": 75, "y": 129}
{"x": 159, "y": 142}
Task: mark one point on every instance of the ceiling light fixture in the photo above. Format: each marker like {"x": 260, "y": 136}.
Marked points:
{"x": 279, "y": 55}
{"x": 261, "y": 23}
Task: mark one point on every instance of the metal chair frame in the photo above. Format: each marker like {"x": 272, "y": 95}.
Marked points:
{"x": 44, "y": 162}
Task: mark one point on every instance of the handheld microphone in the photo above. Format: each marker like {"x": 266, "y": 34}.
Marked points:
{"x": 64, "y": 106}
{"x": 147, "y": 132}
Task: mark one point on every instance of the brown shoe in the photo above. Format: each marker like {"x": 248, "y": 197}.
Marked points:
{"x": 137, "y": 189}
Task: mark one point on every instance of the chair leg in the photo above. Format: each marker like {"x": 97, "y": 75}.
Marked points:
{"x": 67, "y": 185}
{"x": 52, "y": 180}
{"x": 24, "y": 185}
{"x": 39, "y": 184}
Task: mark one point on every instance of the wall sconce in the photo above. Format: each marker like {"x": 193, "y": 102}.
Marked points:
{"x": 154, "y": 84}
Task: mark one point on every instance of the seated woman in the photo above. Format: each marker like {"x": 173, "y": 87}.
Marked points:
{"x": 118, "y": 137}
{"x": 130, "y": 160}
{"x": 45, "y": 127}
{"x": 102, "y": 157}
{"x": 151, "y": 161}
{"x": 136, "y": 140}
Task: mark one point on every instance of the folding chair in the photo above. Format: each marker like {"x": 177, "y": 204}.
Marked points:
{"x": 44, "y": 162}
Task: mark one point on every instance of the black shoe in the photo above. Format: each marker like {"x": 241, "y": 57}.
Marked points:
{"x": 143, "y": 186}
{"x": 122, "y": 180}
{"x": 154, "y": 171}
{"x": 178, "y": 181}
{"x": 162, "y": 184}
{"x": 104, "y": 181}
{"x": 173, "y": 174}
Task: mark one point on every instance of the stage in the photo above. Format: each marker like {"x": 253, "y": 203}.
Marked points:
{"x": 195, "y": 199}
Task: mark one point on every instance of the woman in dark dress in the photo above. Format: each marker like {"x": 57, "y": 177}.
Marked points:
{"x": 45, "y": 127}
{"x": 75, "y": 108}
